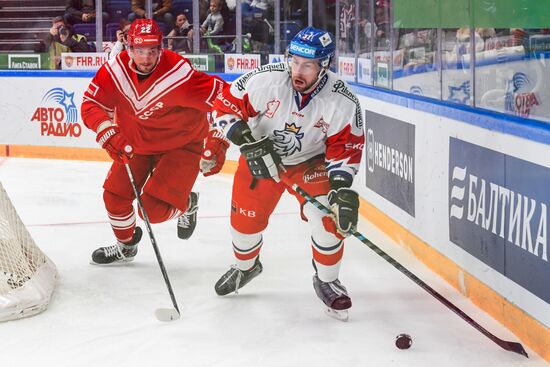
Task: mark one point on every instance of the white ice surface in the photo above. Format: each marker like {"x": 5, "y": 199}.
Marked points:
{"x": 104, "y": 316}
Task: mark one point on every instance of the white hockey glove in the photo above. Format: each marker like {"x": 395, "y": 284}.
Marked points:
{"x": 262, "y": 159}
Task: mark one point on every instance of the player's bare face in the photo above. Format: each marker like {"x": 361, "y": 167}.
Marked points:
{"x": 303, "y": 73}
{"x": 145, "y": 58}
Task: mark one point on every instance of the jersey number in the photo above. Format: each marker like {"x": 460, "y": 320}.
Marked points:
{"x": 146, "y": 28}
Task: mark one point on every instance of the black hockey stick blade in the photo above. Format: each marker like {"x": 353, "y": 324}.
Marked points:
{"x": 167, "y": 314}
{"x": 512, "y": 347}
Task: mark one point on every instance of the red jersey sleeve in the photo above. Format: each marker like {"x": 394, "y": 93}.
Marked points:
{"x": 230, "y": 104}
{"x": 204, "y": 90}
{"x": 98, "y": 103}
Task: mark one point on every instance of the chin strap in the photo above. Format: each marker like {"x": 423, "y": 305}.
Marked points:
{"x": 320, "y": 77}
{"x": 132, "y": 66}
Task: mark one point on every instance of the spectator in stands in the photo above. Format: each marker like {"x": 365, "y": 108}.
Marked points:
{"x": 346, "y": 23}
{"x": 75, "y": 42}
{"x": 226, "y": 8}
{"x": 382, "y": 24}
{"x": 263, "y": 5}
{"x": 481, "y": 34}
{"x": 255, "y": 24}
{"x": 365, "y": 31}
{"x": 161, "y": 11}
{"x": 204, "y": 8}
{"x": 121, "y": 41}
{"x": 62, "y": 39}
{"x": 522, "y": 36}
{"x": 212, "y": 26}
{"x": 180, "y": 30}
{"x": 82, "y": 11}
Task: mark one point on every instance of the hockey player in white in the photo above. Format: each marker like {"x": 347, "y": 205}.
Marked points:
{"x": 296, "y": 122}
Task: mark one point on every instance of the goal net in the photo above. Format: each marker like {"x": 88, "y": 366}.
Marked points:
{"x": 27, "y": 276}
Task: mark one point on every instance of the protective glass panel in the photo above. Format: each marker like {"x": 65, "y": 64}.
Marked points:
{"x": 366, "y": 36}
{"x": 324, "y": 15}
{"x": 258, "y": 26}
{"x": 455, "y": 60}
{"x": 294, "y": 17}
{"x": 511, "y": 73}
{"x": 346, "y": 27}
{"x": 415, "y": 62}
{"x": 217, "y": 27}
{"x": 382, "y": 44}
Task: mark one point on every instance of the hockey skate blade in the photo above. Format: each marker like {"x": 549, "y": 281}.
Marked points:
{"x": 340, "y": 315}
{"x": 167, "y": 314}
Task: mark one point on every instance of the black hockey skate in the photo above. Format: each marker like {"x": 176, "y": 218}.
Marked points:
{"x": 188, "y": 220}
{"x": 335, "y": 296}
{"x": 234, "y": 279}
{"x": 117, "y": 253}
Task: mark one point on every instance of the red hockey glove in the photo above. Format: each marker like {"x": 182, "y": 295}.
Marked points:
{"x": 213, "y": 155}
{"x": 112, "y": 140}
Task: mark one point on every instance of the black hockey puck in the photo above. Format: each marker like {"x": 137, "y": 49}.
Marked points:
{"x": 403, "y": 341}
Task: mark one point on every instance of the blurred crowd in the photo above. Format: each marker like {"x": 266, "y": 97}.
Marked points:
{"x": 75, "y": 31}
{"x": 416, "y": 47}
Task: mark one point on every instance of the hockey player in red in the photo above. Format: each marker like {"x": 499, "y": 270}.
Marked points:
{"x": 296, "y": 122}
{"x": 151, "y": 105}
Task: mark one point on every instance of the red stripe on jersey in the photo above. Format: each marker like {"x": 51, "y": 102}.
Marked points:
{"x": 345, "y": 145}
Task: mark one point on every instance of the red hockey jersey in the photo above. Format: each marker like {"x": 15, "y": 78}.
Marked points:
{"x": 166, "y": 110}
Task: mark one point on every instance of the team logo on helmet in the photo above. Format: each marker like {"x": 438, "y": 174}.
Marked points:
{"x": 325, "y": 39}
{"x": 138, "y": 40}
{"x": 307, "y": 36}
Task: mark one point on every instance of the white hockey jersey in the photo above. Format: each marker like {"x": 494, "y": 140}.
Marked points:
{"x": 327, "y": 121}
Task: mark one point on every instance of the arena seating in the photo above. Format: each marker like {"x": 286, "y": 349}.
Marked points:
{"x": 118, "y": 9}
{"x": 85, "y": 29}
{"x": 183, "y": 6}
{"x": 24, "y": 23}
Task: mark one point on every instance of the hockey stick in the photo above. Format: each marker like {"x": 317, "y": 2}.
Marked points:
{"x": 162, "y": 314}
{"x": 507, "y": 345}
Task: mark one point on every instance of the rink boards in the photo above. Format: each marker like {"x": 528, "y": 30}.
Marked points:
{"x": 464, "y": 190}
{"x": 473, "y": 206}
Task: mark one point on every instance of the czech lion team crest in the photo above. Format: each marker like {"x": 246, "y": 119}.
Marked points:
{"x": 288, "y": 141}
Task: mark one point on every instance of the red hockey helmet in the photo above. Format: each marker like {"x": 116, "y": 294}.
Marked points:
{"x": 144, "y": 33}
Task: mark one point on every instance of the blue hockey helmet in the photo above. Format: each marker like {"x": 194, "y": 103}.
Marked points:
{"x": 313, "y": 43}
